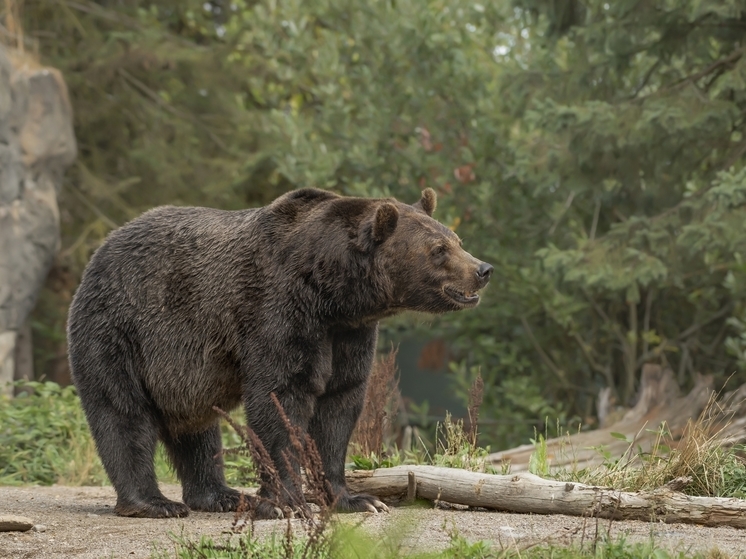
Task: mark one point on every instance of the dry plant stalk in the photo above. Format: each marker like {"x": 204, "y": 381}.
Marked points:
{"x": 381, "y": 403}
{"x": 699, "y": 452}
{"x": 302, "y": 456}
{"x": 476, "y": 395}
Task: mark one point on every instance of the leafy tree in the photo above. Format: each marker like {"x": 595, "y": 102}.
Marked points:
{"x": 629, "y": 127}
{"x": 625, "y": 242}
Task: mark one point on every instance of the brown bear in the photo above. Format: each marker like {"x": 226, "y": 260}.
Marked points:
{"x": 183, "y": 309}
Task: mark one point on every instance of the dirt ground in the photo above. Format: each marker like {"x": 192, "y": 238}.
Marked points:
{"x": 79, "y": 522}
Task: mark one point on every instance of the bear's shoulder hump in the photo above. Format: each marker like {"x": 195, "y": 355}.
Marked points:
{"x": 305, "y": 196}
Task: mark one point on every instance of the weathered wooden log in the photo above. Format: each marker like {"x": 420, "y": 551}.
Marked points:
{"x": 527, "y": 493}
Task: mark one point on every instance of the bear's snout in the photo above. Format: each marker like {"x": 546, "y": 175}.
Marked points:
{"x": 484, "y": 272}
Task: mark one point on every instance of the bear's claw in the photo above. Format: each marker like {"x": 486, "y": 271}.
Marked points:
{"x": 381, "y": 505}
{"x": 376, "y": 506}
{"x": 360, "y": 503}
{"x": 265, "y": 510}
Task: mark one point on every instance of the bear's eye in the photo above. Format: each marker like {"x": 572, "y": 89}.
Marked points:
{"x": 439, "y": 250}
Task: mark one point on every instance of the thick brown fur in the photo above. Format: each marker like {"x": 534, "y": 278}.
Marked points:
{"x": 184, "y": 309}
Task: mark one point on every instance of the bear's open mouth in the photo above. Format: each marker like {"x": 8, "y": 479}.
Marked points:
{"x": 462, "y": 297}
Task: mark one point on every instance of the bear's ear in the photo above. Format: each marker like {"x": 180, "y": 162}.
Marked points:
{"x": 428, "y": 201}
{"x": 384, "y": 225}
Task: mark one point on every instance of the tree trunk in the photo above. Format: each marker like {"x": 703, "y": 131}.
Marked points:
{"x": 527, "y": 493}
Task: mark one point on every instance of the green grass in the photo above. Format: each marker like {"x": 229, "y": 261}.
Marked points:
{"x": 452, "y": 449}
{"x": 238, "y": 548}
{"x": 44, "y": 439}
{"x": 347, "y": 542}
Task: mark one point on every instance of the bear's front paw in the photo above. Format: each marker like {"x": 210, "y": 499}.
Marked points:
{"x": 223, "y": 499}
{"x": 359, "y": 503}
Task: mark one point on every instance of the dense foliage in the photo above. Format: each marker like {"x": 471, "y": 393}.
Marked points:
{"x": 592, "y": 151}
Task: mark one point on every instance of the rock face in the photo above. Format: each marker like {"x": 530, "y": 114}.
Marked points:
{"x": 36, "y": 145}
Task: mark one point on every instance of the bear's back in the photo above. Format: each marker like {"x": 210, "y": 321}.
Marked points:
{"x": 168, "y": 257}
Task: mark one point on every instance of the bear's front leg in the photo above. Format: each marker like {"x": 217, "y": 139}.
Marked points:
{"x": 278, "y": 497}
{"x": 337, "y": 412}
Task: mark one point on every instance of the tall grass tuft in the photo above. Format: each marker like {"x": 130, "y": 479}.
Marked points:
{"x": 698, "y": 459}
{"x": 456, "y": 441}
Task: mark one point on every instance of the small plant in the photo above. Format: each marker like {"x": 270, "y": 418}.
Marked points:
{"x": 244, "y": 547}
{"x": 454, "y": 447}
{"x": 461, "y": 548}
{"x": 374, "y": 461}
{"x": 239, "y": 468}
{"x": 538, "y": 462}
{"x": 455, "y": 442}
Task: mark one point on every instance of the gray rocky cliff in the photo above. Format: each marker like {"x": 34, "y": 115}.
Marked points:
{"x": 37, "y": 144}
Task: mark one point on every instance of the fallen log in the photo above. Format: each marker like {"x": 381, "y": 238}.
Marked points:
{"x": 527, "y": 493}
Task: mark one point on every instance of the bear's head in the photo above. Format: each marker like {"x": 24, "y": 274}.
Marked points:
{"x": 427, "y": 268}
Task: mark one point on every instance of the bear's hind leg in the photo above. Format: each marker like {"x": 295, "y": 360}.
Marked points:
{"x": 126, "y": 444}
{"x": 199, "y": 465}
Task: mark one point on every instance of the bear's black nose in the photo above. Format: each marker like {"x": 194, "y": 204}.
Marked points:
{"x": 485, "y": 271}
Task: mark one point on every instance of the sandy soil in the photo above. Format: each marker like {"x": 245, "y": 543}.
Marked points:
{"x": 79, "y": 522}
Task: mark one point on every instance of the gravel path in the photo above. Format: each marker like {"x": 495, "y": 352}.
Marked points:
{"x": 79, "y": 522}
